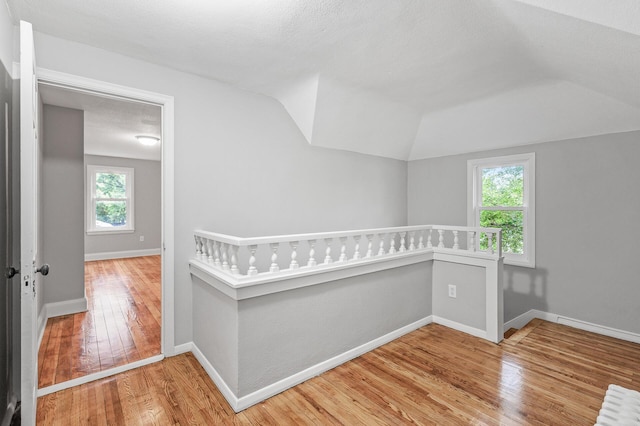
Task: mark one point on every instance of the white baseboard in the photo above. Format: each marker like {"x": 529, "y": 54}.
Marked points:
{"x": 521, "y": 320}
{"x": 99, "y": 375}
{"x": 42, "y": 323}
{"x": 121, "y": 254}
{"x": 226, "y": 391}
{"x": 182, "y": 349}
{"x": 66, "y": 307}
{"x": 460, "y": 327}
{"x": 239, "y": 404}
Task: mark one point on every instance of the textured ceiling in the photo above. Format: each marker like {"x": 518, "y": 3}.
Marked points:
{"x": 396, "y": 78}
{"x": 111, "y": 125}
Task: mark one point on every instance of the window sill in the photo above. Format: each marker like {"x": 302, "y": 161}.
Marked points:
{"x": 119, "y": 231}
{"x": 521, "y": 263}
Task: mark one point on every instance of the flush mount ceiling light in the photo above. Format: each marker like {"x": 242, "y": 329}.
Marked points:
{"x": 148, "y": 140}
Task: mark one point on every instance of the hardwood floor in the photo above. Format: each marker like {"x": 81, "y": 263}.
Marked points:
{"x": 122, "y": 324}
{"x": 544, "y": 374}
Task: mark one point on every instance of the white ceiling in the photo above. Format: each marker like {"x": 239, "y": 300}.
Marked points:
{"x": 404, "y": 79}
{"x": 111, "y": 125}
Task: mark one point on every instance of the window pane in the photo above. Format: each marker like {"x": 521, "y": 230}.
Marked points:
{"x": 110, "y": 214}
{"x": 503, "y": 186}
{"x": 111, "y": 185}
{"x": 511, "y": 223}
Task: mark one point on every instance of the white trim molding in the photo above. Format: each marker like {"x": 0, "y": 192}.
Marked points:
{"x": 66, "y": 307}
{"x": 121, "y": 254}
{"x": 522, "y": 320}
{"x": 241, "y": 403}
{"x": 166, "y": 102}
{"x": 99, "y": 375}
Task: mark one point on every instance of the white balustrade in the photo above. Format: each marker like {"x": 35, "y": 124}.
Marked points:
{"x": 220, "y": 251}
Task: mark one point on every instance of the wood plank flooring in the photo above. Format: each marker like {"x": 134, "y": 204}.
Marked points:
{"x": 545, "y": 374}
{"x": 122, "y": 323}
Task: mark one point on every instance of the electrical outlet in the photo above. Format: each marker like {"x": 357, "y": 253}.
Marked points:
{"x": 452, "y": 290}
{"x": 141, "y": 238}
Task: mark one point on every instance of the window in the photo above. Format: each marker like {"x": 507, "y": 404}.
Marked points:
{"x": 501, "y": 194}
{"x": 109, "y": 199}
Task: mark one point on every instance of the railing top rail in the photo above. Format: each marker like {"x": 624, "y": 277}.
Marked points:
{"x": 241, "y": 241}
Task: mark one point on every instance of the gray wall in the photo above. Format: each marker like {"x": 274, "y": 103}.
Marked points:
{"x": 147, "y": 209}
{"x": 63, "y": 203}
{"x": 469, "y": 305}
{"x": 587, "y": 227}
{"x": 284, "y": 333}
{"x": 241, "y": 164}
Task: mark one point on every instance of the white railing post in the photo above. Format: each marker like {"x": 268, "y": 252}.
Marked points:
{"x": 356, "y": 252}
{"x": 392, "y": 243}
{"x": 403, "y": 242}
{"x": 369, "y": 245}
{"x": 216, "y": 254}
{"x": 225, "y": 257}
{"x": 252, "y": 261}
{"x": 274, "y": 258}
{"x": 209, "y": 251}
{"x": 429, "y": 244}
{"x": 456, "y": 244}
{"x": 234, "y": 260}
{"x": 343, "y": 249}
{"x": 490, "y": 242}
{"x": 421, "y": 240}
{"x": 312, "y": 253}
{"x": 381, "y": 251}
{"x": 412, "y": 240}
{"x": 198, "y": 247}
{"x": 472, "y": 241}
{"x": 294, "y": 255}
{"x": 327, "y": 257}
{"x": 440, "y": 238}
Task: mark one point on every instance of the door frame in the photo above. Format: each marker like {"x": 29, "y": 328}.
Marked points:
{"x": 166, "y": 103}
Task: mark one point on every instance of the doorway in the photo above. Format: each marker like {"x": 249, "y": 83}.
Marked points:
{"x": 127, "y": 273}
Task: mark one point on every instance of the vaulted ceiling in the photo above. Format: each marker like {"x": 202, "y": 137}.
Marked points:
{"x": 405, "y": 79}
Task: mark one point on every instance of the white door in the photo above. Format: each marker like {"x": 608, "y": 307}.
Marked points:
{"x": 28, "y": 225}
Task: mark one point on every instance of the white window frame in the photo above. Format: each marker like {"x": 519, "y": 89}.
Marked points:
{"x": 92, "y": 170}
{"x": 474, "y": 193}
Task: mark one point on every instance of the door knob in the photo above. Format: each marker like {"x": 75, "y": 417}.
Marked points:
{"x": 11, "y": 272}
{"x": 44, "y": 269}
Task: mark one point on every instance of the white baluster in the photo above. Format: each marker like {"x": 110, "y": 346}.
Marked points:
{"x": 216, "y": 254}
{"x": 252, "y": 261}
{"x": 312, "y": 253}
{"x": 327, "y": 258}
{"x": 490, "y": 242}
{"x": 198, "y": 247}
{"x": 234, "y": 260}
{"x": 274, "y": 258}
{"x": 356, "y": 252}
{"x": 225, "y": 261}
{"x": 421, "y": 240}
{"x": 440, "y": 238}
{"x": 403, "y": 242}
{"x": 412, "y": 240}
{"x": 392, "y": 243}
{"x": 209, "y": 251}
{"x": 429, "y": 244}
{"x": 456, "y": 244}
{"x": 343, "y": 249}
{"x": 369, "y": 245}
{"x": 294, "y": 255}
{"x": 381, "y": 251}
{"x": 472, "y": 240}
